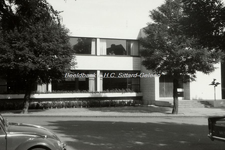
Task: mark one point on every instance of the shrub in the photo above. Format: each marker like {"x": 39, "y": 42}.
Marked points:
{"x": 7, "y": 105}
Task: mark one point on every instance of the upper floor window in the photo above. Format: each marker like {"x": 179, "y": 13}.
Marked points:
{"x": 133, "y": 47}
{"x": 83, "y": 45}
{"x": 119, "y": 47}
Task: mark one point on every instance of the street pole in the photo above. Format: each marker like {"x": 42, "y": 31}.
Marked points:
{"x": 214, "y": 83}
{"x": 214, "y": 92}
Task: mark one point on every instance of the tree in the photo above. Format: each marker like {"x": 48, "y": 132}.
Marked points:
{"x": 34, "y": 46}
{"x": 205, "y": 20}
{"x": 169, "y": 51}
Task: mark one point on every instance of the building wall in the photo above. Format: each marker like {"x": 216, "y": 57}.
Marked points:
{"x": 107, "y": 63}
{"x": 149, "y": 87}
{"x": 97, "y": 63}
{"x": 200, "y": 89}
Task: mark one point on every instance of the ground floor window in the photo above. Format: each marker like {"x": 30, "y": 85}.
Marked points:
{"x": 113, "y": 80}
{"x": 14, "y": 86}
{"x": 83, "y": 81}
{"x": 3, "y": 86}
{"x": 69, "y": 85}
{"x": 87, "y": 81}
{"x": 74, "y": 81}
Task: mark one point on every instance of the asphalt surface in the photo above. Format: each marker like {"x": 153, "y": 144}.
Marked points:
{"x": 126, "y": 128}
{"x": 128, "y": 133}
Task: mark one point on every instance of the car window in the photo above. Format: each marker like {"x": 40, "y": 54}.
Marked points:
{"x": 1, "y": 118}
{"x": 2, "y": 131}
{"x": 3, "y": 123}
{"x": 2, "y": 127}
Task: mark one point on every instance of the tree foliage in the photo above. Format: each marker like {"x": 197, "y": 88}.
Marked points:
{"x": 34, "y": 46}
{"x": 21, "y": 14}
{"x": 205, "y": 20}
{"x": 168, "y": 50}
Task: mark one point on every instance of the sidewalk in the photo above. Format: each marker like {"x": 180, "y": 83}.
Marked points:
{"x": 140, "y": 111}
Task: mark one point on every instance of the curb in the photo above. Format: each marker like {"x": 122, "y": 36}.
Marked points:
{"x": 107, "y": 116}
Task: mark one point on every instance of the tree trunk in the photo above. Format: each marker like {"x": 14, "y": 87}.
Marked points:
{"x": 26, "y": 103}
{"x": 27, "y": 99}
{"x": 175, "y": 96}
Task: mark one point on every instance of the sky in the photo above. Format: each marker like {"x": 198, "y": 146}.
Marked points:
{"x": 82, "y": 16}
{"x": 99, "y": 18}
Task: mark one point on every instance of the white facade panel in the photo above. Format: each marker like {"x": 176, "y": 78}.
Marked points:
{"x": 114, "y": 33}
{"x": 149, "y": 87}
{"x": 201, "y": 88}
{"x": 107, "y": 63}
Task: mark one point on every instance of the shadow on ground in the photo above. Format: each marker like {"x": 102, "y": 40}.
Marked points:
{"x": 109, "y": 135}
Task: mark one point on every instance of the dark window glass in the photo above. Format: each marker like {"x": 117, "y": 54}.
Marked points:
{"x": 114, "y": 80}
{"x": 74, "y": 83}
{"x": 113, "y": 47}
{"x": 3, "y": 86}
{"x": 132, "y": 48}
{"x": 17, "y": 86}
{"x": 83, "y": 45}
{"x": 119, "y": 47}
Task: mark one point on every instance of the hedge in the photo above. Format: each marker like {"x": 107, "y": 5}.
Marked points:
{"x": 57, "y": 104}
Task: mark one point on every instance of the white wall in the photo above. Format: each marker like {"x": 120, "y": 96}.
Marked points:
{"x": 149, "y": 87}
{"x": 107, "y": 63}
{"x": 200, "y": 89}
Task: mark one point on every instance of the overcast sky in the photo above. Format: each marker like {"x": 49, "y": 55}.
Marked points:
{"x": 84, "y": 14}
{"x": 83, "y": 17}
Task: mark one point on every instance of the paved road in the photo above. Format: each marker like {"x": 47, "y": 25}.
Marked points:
{"x": 146, "y": 133}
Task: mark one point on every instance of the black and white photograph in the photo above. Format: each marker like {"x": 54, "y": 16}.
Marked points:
{"x": 112, "y": 75}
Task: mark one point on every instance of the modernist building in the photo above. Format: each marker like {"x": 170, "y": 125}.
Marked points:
{"x": 108, "y": 65}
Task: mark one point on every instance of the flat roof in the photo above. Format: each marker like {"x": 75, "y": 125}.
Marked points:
{"x": 113, "y": 33}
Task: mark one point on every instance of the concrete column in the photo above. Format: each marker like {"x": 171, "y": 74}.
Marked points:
{"x": 99, "y": 81}
{"x": 92, "y": 82}
{"x": 149, "y": 87}
{"x": 156, "y": 88}
{"x": 98, "y": 47}
{"x": 50, "y": 86}
{"x": 41, "y": 88}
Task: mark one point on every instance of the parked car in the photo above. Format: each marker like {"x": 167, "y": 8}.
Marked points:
{"x": 21, "y": 136}
{"x": 216, "y": 127}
